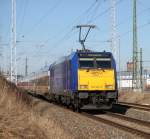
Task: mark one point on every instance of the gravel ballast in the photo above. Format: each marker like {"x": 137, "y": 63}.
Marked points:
{"x": 79, "y": 126}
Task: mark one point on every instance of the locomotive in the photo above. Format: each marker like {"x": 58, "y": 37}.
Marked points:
{"x": 84, "y": 80}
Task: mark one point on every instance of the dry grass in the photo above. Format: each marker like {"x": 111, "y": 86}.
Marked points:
{"x": 135, "y": 97}
{"x": 19, "y": 120}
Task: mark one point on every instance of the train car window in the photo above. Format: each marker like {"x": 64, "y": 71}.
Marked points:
{"x": 86, "y": 62}
{"x": 103, "y": 63}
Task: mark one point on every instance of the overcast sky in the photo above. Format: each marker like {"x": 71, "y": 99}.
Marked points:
{"x": 46, "y": 29}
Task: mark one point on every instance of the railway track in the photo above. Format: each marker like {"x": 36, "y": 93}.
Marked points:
{"x": 127, "y": 118}
{"x": 134, "y": 126}
{"x": 135, "y": 106}
{"x": 127, "y": 124}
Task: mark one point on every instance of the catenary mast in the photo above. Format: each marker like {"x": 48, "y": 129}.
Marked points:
{"x": 136, "y": 67}
{"x": 13, "y": 72}
{"x": 113, "y": 29}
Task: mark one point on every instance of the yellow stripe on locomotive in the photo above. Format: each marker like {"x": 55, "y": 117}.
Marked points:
{"x": 96, "y": 79}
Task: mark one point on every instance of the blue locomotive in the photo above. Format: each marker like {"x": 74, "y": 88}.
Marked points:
{"x": 84, "y": 80}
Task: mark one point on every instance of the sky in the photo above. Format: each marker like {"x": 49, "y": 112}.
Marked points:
{"x": 46, "y": 30}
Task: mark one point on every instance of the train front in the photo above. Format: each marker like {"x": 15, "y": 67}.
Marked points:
{"x": 97, "y": 85}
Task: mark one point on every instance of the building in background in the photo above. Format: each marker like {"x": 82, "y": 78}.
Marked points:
{"x": 125, "y": 79}
{"x": 130, "y": 66}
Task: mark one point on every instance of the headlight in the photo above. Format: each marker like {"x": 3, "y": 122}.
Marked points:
{"x": 109, "y": 86}
{"x": 84, "y": 86}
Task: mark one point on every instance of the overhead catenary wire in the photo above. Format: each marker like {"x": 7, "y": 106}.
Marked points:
{"x": 23, "y": 16}
{"x": 73, "y": 23}
{"x": 83, "y": 14}
{"x": 44, "y": 16}
{"x": 128, "y": 19}
{"x": 66, "y": 37}
{"x": 63, "y": 39}
{"x": 130, "y": 31}
{"x": 104, "y": 12}
{"x": 123, "y": 34}
{"x": 94, "y": 12}
{"x": 140, "y": 13}
{"x": 90, "y": 10}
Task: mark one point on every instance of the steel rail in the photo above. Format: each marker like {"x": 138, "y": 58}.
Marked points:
{"x": 135, "y": 106}
{"x": 118, "y": 125}
{"x": 130, "y": 119}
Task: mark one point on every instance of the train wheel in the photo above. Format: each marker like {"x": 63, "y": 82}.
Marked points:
{"x": 78, "y": 109}
{"x": 77, "y": 105}
{"x": 73, "y": 107}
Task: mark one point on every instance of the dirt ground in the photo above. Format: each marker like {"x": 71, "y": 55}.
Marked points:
{"x": 135, "y": 97}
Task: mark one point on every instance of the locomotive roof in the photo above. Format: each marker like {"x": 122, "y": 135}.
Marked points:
{"x": 81, "y": 53}
{"x": 102, "y": 53}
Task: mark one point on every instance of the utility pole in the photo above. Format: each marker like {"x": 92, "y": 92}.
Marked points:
{"x": 113, "y": 29}
{"x": 136, "y": 68}
{"x": 119, "y": 55}
{"x": 1, "y": 55}
{"x": 141, "y": 68}
{"x": 26, "y": 67}
{"x": 13, "y": 72}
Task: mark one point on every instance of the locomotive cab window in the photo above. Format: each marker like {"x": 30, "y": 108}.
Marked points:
{"x": 103, "y": 63}
{"x": 86, "y": 62}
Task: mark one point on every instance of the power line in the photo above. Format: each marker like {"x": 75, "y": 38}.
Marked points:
{"x": 105, "y": 11}
{"x": 23, "y": 16}
{"x": 66, "y": 37}
{"x": 139, "y": 27}
{"x": 46, "y": 14}
{"x": 92, "y": 7}
{"x": 74, "y": 21}
{"x": 95, "y": 9}
{"x": 128, "y": 19}
{"x": 129, "y": 31}
{"x": 87, "y": 11}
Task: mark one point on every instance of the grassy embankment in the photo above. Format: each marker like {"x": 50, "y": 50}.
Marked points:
{"x": 18, "y": 119}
